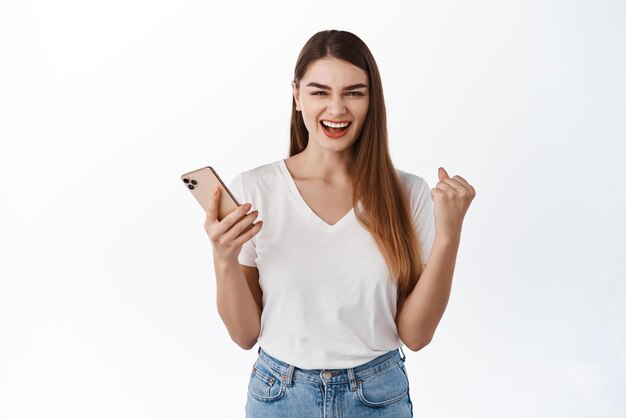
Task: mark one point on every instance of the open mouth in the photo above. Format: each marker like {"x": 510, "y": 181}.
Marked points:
{"x": 334, "y": 130}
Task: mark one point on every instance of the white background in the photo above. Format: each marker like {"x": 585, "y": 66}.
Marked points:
{"x": 107, "y": 290}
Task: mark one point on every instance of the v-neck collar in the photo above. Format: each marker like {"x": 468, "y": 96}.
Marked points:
{"x": 306, "y": 209}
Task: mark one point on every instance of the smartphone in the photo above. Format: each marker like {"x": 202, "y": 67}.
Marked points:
{"x": 202, "y": 184}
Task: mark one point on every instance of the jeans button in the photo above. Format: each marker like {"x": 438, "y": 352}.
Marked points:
{"x": 327, "y": 375}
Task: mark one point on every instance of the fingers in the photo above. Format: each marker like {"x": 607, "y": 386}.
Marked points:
{"x": 248, "y": 234}
{"x": 466, "y": 184}
{"x": 457, "y": 184}
{"x": 450, "y": 186}
{"x": 211, "y": 215}
{"x": 442, "y": 173}
{"x": 241, "y": 224}
{"x": 444, "y": 185}
{"x": 234, "y": 217}
{"x": 228, "y": 228}
{"x": 213, "y": 210}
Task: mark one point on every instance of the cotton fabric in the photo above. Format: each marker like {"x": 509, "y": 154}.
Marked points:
{"x": 328, "y": 297}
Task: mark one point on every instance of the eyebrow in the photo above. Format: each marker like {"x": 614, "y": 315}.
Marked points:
{"x": 324, "y": 87}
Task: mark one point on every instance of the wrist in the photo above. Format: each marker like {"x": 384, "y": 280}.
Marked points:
{"x": 225, "y": 263}
{"x": 449, "y": 236}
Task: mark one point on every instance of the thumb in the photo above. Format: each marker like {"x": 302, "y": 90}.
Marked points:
{"x": 443, "y": 174}
{"x": 213, "y": 205}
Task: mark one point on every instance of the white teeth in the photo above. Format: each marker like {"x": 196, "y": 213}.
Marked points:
{"x": 335, "y": 125}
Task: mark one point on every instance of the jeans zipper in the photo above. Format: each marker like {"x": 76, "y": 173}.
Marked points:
{"x": 324, "y": 390}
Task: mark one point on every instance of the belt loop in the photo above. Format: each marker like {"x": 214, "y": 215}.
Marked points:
{"x": 352, "y": 379}
{"x": 289, "y": 377}
{"x": 259, "y": 350}
{"x": 403, "y": 356}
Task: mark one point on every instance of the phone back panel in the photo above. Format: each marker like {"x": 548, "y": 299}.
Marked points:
{"x": 202, "y": 183}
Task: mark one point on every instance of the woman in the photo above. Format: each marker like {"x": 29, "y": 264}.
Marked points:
{"x": 329, "y": 288}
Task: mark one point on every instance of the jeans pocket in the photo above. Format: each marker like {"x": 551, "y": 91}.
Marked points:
{"x": 265, "y": 384}
{"x": 383, "y": 388}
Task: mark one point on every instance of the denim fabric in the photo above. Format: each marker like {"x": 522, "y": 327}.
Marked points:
{"x": 378, "y": 388}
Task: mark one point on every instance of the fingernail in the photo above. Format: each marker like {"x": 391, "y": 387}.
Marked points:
{"x": 216, "y": 192}
{"x": 247, "y": 206}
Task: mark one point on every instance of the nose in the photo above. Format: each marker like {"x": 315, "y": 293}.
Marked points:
{"x": 336, "y": 107}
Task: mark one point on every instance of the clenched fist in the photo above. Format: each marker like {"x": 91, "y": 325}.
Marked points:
{"x": 451, "y": 198}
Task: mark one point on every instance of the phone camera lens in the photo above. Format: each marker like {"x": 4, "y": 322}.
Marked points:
{"x": 186, "y": 180}
{"x": 194, "y": 182}
{"x": 190, "y": 187}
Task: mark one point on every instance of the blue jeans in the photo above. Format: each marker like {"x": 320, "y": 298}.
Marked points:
{"x": 378, "y": 388}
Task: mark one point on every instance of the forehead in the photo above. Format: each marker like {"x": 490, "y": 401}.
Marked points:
{"x": 334, "y": 72}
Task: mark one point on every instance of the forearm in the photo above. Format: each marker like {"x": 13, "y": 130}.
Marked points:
{"x": 235, "y": 303}
{"x": 425, "y": 305}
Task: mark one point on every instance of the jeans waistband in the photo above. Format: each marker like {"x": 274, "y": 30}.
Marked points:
{"x": 289, "y": 372}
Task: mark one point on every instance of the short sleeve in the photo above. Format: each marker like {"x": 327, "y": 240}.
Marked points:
{"x": 247, "y": 256}
{"x": 423, "y": 215}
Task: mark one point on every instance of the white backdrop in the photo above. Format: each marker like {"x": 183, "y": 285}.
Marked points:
{"x": 107, "y": 289}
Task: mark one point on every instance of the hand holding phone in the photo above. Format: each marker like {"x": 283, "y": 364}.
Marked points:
{"x": 228, "y": 235}
{"x": 228, "y": 224}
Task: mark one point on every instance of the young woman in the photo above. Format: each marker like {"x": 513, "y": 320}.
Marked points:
{"x": 329, "y": 286}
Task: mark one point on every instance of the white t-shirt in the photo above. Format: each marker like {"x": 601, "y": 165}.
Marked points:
{"x": 328, "y": 299}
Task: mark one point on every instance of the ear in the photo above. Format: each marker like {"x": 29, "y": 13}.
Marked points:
{"x": 296, "y": 94}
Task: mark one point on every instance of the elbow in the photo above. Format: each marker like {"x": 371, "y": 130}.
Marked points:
{"x": 245, "y": 339}
{"x": 418, "y": 345}
{"x": 415, "y": 341}
{"x": 246, "y": 344}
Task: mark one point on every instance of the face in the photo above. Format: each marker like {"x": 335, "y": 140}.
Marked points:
{"x": 333, "y": 90}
